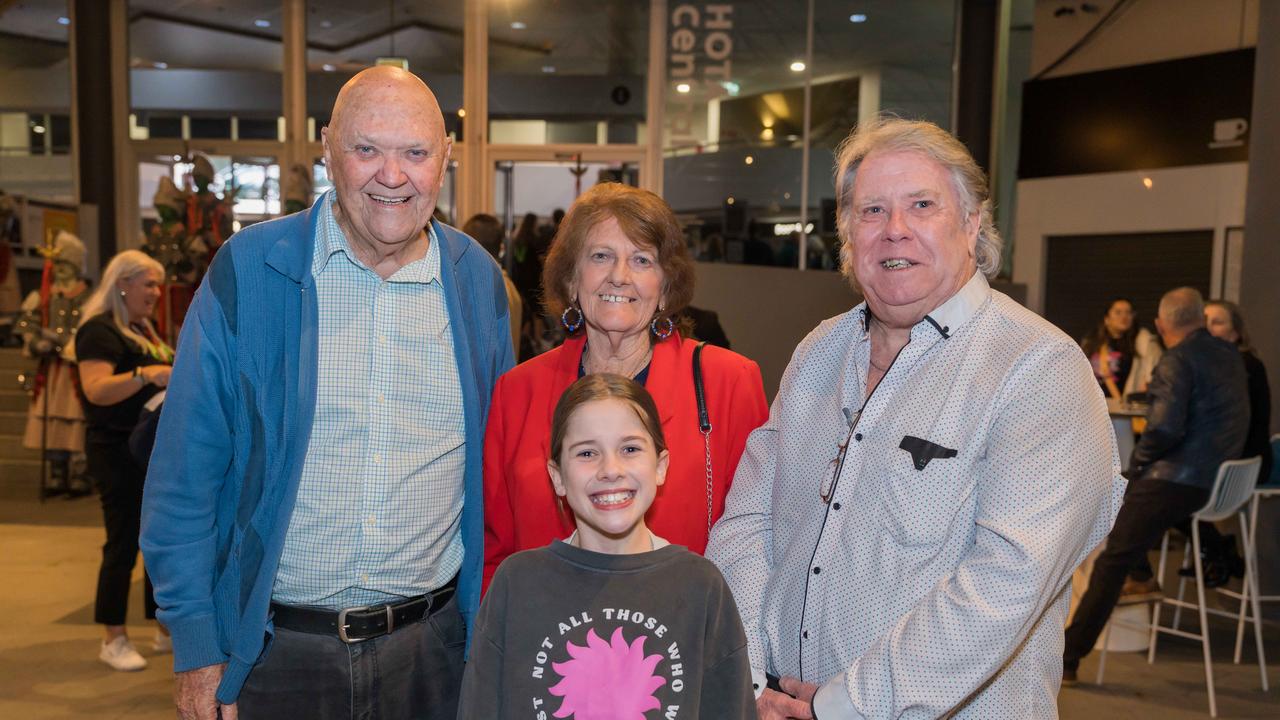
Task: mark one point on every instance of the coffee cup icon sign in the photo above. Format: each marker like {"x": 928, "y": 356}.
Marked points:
{"x": 1227, "y": 133}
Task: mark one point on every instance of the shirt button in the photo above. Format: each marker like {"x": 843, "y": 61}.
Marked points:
{"x": 364, "y": 577}
{"x": 377, "y": 457}
{"x": 817, "y": 571}
{"x": 858, "y": 437}
{"x": 382, "y": 398}
{"x": 835, "y": 506}
{"x": 373, "y": 520}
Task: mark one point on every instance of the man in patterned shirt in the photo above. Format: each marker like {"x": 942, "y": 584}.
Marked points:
{"x": 312, "y": 517}
{"x": 901, "y": 533}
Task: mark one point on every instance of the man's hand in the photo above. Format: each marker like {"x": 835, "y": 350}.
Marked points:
{"x": 799, "y": 689}
{"x": 773, "y": 705}
{"x": 193, "y": 693}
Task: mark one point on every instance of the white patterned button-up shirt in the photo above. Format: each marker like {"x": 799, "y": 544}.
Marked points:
{"x": 980, "y": 473}
{"x": 379, "y": 506}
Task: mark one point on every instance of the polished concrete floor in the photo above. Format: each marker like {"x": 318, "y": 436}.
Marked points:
{"x": 49, "y": 644}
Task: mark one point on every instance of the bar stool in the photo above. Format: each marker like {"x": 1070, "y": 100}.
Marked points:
{"x": 1267, "y": 487}
{"x": 1232, "y": 490}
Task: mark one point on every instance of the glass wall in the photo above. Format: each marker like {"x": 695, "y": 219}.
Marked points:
{"x": 756, "y": 96}
{"x": 735, "y": 113}
{"x": 37, "y": 188}
{"x": 35, "y": 100}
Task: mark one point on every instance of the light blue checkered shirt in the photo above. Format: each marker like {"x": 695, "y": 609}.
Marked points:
{"x": 379, "y": 507}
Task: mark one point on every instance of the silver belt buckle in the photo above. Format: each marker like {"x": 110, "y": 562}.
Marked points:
{"x": 342, "y": 623}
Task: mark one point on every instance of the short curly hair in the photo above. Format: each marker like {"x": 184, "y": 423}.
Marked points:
{"x": 647, "y": 221}
{"x": 892, "y": 134}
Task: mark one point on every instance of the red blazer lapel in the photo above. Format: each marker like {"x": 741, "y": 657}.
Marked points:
{"x": 565, "y": 372}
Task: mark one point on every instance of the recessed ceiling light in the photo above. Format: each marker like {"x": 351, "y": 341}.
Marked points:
{"x": 262, "y": 23}
{"x": 748, "y": 159}
{"x": 161, "y": 65}
{"x": 37, "y": 129}
{"x": 729, "y": 200}
{"x": 1146, "y": 182}
{"x": 328, "y": 68}
{"x": 517, "y": 25}
{"x": 797, "y": 66}
{"x": 683, "y": 88}
{"x": 857, "y": 18}
{"x": 462, "y": 112}
{"x": 548, "y": 68}
{"x": 64, "y": 21}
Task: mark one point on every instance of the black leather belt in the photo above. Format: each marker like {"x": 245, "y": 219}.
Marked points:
{"x": 355, "y": 624}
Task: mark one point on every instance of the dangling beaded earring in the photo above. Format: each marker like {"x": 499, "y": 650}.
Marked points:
{"x": 662, "y": 327}
{"x": 571, "y": 328}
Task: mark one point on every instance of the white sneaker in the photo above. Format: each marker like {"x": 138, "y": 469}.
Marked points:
{"x": 163, "y": 644}
{"x": 121, "y": 655}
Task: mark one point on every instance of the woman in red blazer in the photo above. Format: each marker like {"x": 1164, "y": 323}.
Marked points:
{"x": 617, "y": 273}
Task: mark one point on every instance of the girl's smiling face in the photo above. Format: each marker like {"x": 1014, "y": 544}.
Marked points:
{"x": 609, "y": 472}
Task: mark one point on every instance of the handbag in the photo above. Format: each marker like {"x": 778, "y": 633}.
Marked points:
{"x": 704, "y": 425}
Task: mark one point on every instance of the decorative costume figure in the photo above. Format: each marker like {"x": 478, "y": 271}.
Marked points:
{"x": 50, "y": 315}
{"x": 208, "y": 216}
{"x": 193, "y": 224}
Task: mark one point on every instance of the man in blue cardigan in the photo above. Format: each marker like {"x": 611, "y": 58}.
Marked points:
{"x": 313, "y": 518}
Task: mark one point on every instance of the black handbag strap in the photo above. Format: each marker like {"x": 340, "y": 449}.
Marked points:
{"x": 704, "y": 426}
{"x": 704, "y": 421}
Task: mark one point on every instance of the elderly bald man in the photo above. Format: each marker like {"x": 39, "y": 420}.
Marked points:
{"x": 312, "y": 519}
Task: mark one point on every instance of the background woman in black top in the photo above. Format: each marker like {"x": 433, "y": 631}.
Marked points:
{"x": 123, "y": 364}
{"x": 1223, "y": 320}
{"x": 1122, "y": 353}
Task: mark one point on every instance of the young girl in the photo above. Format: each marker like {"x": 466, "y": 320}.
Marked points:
{"x": 613, "y": 623}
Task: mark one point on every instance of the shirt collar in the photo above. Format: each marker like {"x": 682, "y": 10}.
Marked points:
{"x": 957, "y": 310}
{"x": 950, "y": 315}
{"x": 331, "y": 240}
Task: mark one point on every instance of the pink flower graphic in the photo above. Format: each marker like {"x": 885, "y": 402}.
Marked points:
{"x": 607, "y": 681}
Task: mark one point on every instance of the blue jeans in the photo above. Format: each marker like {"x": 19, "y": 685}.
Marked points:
{"x": 414, "y": 673}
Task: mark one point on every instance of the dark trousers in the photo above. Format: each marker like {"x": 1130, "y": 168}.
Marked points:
{"x": 1150, "y": 508}
{"x": 415, "y": 673}
{"x": 119, "y": 479}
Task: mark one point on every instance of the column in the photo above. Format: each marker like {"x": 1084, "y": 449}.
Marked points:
{"x": 294, "y": 105}
{"x": 1259, "y": 292}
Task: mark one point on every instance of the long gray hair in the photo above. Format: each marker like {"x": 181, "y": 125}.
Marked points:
{"x": 107, "y": 298}
{"x": 891, "y": 134}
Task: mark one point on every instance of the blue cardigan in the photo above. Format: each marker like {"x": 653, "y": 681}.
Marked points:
{"x": 237, "y": 421}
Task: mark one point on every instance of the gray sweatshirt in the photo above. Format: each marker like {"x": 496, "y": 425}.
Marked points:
{"x": 569, "y": 633}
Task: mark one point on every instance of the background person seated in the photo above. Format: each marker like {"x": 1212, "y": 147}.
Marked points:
{"x": 1198, "y": 392}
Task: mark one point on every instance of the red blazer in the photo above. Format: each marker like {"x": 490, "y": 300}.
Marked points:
{"x": 521, "y": 511}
